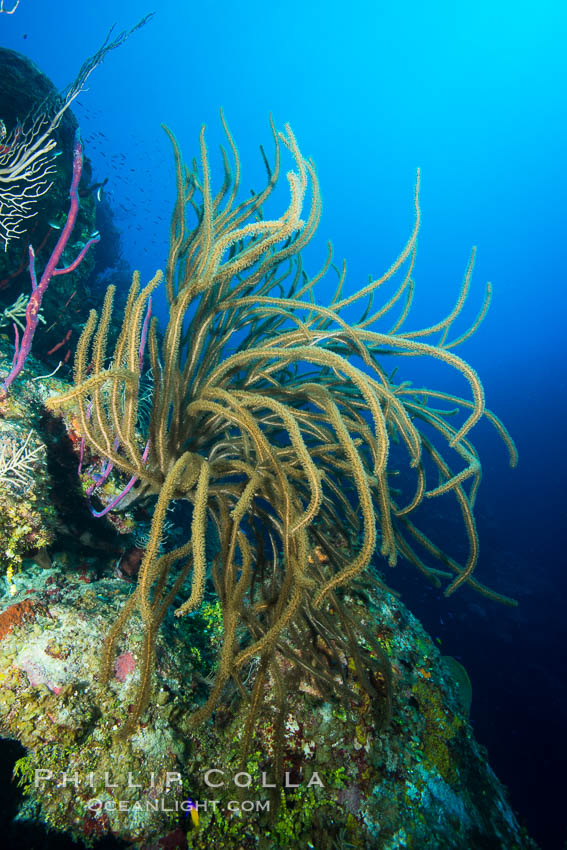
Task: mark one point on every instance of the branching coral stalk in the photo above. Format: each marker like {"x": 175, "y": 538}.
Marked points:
{"x": 27, "y": 154}
{"x": 8, "y": 11}
{"x": 39, "y": 289}
{"x": 16, "y": 462}
{"x": 275, "y": 418}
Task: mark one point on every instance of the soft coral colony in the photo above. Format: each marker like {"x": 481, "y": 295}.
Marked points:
{"x": 275, "y": 418}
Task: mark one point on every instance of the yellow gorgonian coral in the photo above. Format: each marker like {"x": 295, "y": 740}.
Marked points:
{"x": 274, "y": 417}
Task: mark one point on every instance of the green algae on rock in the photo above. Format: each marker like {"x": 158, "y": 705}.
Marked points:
{"x": 350, "y": 779}
{"x": 422, "y": 782}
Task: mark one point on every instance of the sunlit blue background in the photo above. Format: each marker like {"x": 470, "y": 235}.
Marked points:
{"x": 474, "y": 94}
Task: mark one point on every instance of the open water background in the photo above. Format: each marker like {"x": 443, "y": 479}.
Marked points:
{"x": 474, "y": 94}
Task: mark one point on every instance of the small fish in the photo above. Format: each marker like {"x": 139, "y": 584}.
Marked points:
{"x": 193, "y": 812}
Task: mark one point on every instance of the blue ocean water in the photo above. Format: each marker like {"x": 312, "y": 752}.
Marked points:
{"x": 474, "y": 95}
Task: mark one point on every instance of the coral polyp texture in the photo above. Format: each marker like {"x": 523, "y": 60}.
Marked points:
{"x": 273, "y": 417}
{"x": 251, "y": 468}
